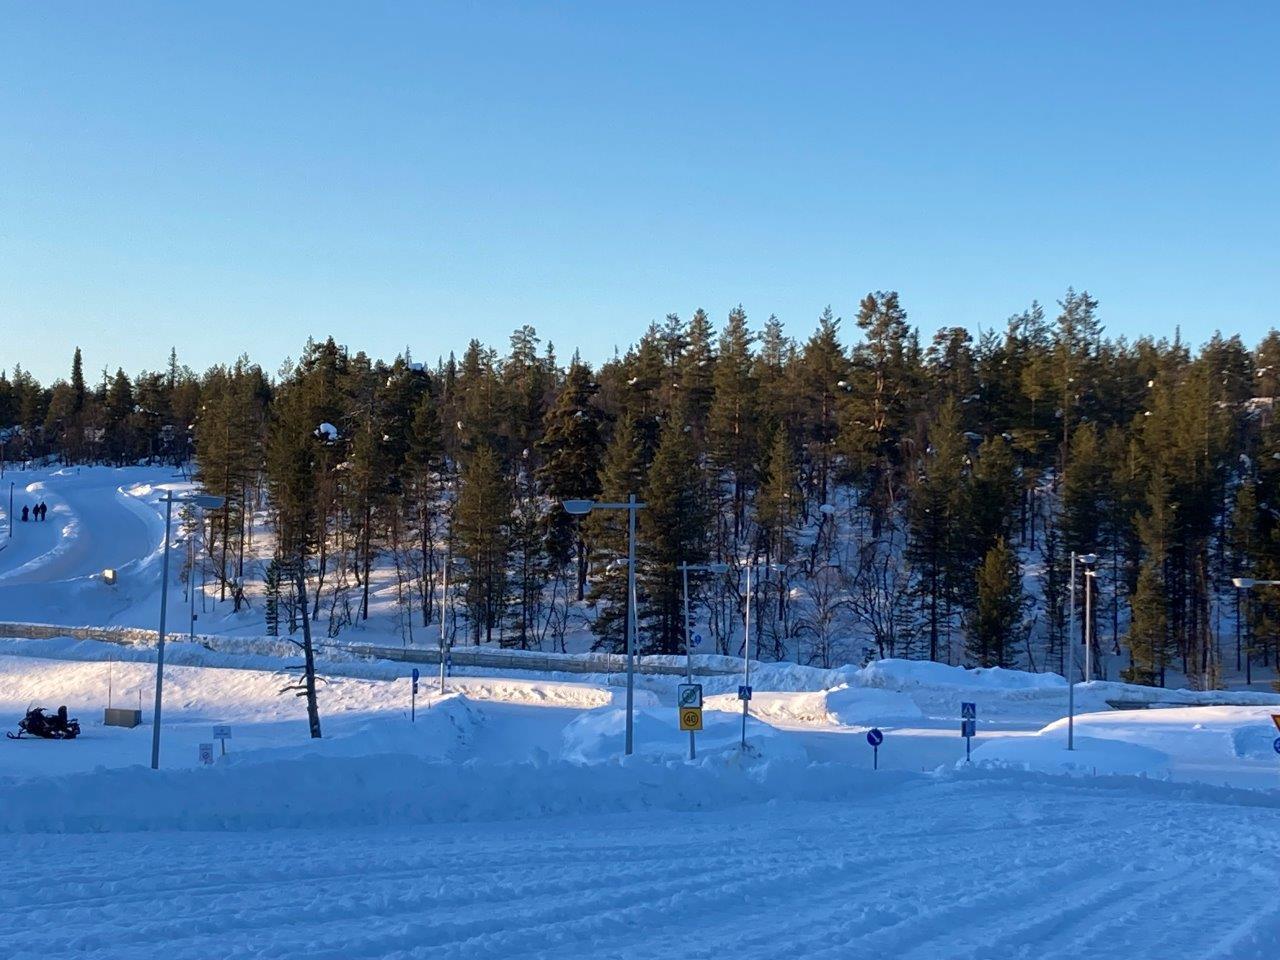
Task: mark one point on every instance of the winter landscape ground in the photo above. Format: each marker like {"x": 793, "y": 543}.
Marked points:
{"x": 503, "y": 821}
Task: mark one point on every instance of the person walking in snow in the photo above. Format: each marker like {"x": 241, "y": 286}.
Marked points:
{"x": 44, "y": 510}
{"x": 24, "y": 513}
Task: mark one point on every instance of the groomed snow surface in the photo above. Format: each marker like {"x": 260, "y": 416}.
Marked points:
{"x": 504, "y": 822}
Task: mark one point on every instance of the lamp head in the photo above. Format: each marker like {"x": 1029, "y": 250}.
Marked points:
{"x": 578, "y": 508}
{"x": 207, "y": 501}
{"x": 1242, "y": 583}
{"x": 1089, "y": 559}
{"x": 718, "y": 567}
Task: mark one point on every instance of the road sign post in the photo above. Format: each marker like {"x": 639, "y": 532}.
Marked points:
{"x": 223, "y": 734}
{"x": 689, "y": 701}
{"x": 968, "y": 726}
{"x": 413, "y": 698}
{"x": 875, "y": 738}
{"x": 744, "y": 694}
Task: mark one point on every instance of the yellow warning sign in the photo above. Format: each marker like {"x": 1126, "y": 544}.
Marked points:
{"x": 690, "y": 718}
{"x": 1275, "y": 718}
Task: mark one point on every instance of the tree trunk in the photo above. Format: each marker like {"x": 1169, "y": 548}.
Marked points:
{"x": 313, "y": 710}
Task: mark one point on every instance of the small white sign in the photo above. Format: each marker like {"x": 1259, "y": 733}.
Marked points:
{"x": 206, "y": 753}
{"x": 222, "y": 733}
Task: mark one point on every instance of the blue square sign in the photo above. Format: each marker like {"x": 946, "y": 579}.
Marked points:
{"x": 744, "y": 692}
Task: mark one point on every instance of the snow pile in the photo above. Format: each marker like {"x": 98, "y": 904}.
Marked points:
{"x": 1101, "y": 693}
{"x": 843, "y": 706}
{"x": 1091, "y": 756}
{"x": 319, "y": 791}
{"x": 1210, "y": 744}
{"x": 600, "y": 736}
{"x": 867, "y": 706}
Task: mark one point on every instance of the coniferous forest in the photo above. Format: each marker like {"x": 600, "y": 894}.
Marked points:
{"x": 896, "y": 496}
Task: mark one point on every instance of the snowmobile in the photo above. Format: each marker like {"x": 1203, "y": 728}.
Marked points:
{"x": 56, "y": 726}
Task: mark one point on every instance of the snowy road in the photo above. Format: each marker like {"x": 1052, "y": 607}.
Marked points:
{"x": 970, "y": 868}
{"x": 101, "y": 530}
{"x": 49, "y": 572}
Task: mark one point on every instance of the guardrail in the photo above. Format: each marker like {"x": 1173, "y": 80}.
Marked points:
{"x": 488, "y": 657}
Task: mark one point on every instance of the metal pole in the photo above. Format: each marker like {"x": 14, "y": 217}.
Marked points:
{"x": 164, "y": 600}
{"x": 10, "y": 509}
{"x": 631, "y": 618}
{"x": 1237, "y": 629}
{"x": 1088, "y": 625}
{"x": 746, "y": 654}
{"x": 688, "y": 644}
{"x": 1248, "y": 649}
{"x": 1071, "y": 661}
{"x": 447, "y": 558}
{"x": 191, "y": 590}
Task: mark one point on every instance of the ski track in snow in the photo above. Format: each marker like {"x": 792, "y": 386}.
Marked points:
{"x": 963, "y": 869}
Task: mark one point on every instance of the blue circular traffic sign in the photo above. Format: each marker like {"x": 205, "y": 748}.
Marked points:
{"x": 875, "y": 737}
{"x": 1276, "y": 744}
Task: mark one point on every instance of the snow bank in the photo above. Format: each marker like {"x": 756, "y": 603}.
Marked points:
{"x": 600, "y": 735}
{"x": 1092, "y": 755}
{"x": 843, "y": 706}
{"x": 1212, "y": 744}
{"x": 320, "y": 791}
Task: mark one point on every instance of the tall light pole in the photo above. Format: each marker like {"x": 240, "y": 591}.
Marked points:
{"x": 580, "y": 508}
{"x": 684, "y": 569}
{"x": 208, "y": 502}
{"x": 1088, "y": 559}
{"x": 446, "y": 603}
{"x": 1090, "y": 577}
{"x": 191, "y": 581}
{"x": 1245, "y": 584}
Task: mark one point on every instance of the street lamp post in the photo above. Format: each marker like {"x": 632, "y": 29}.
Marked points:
{"x": 446, "y": 604}
{"x": 1088, "y": 559}
{"x": 684, "y": 568}
{"x": 581, "y": 508}
{"x": 1243, "y": 584}
{"x": 1090, "y": 578}
{"x": 207, "y": 502}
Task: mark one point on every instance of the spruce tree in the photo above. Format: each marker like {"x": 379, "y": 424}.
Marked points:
{"x": 997, "y": 613}
{"x": 571, "y": 447}
{"x": 482, "y": 534}
{"x": 673, "y": 530}
{"x": 621, "y": 475}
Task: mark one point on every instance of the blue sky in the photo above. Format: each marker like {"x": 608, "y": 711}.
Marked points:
{"x": 237, "y": 176}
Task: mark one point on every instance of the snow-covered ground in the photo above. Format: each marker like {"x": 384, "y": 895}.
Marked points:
{"x": 503, "y": 821}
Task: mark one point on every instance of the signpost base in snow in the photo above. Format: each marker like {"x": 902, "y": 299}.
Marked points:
{"x": 116, "y": 717}
{"x": 875, "y": 737}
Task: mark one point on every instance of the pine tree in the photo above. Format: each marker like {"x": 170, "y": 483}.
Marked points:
{"x": 482, "y": 533}
{"x": 937, "y": 523}
{"x": 732, "y": 422}
{"x": 621, "y": 475}
{"x": 673, "y": 530}
{"x": 571, "y": 447}
{"x": 997, "y": 613}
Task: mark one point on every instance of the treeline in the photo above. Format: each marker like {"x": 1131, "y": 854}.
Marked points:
{"x": 899, "y": 498}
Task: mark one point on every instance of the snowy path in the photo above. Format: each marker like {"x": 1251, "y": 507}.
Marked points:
{"x": 972, "y": 868}
{"x": 50, "y": 571}
{"x": 105, "y": 531}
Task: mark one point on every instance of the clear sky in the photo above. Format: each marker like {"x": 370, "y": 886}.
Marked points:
{"x": 229, "y": 177}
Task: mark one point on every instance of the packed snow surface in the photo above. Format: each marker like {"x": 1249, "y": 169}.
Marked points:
{"x": 498, "y": 818}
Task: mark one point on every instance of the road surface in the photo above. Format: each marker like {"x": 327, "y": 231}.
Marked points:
{"x": 972, "y": 869}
